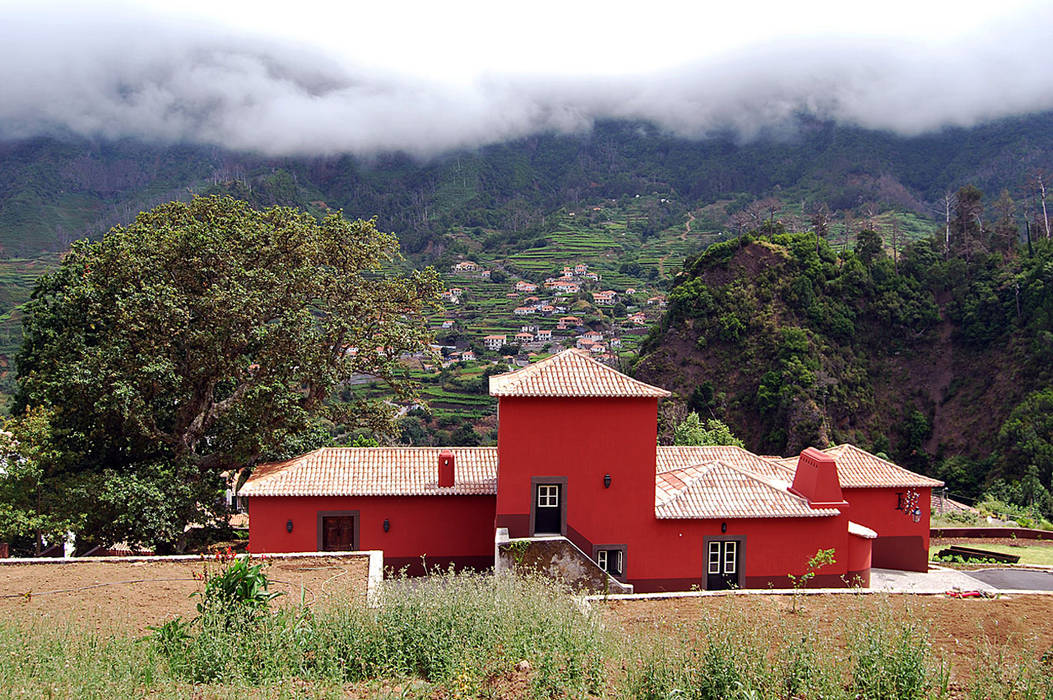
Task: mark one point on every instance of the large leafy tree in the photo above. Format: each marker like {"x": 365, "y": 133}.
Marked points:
{"x": 204, "y": 335}
{"x": 32, "y": 508}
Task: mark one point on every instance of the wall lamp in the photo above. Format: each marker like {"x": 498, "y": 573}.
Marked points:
{"x": 288, "y": 526}
{"x": 387, "y": 525}
{"x": 723, "y": 527}
{"x": 606, "y": 481}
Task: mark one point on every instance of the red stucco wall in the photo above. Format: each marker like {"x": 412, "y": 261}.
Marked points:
{"x": 902, "y": 543}
{"x": 584, "y": 439}
{"x": 457, "y": 529}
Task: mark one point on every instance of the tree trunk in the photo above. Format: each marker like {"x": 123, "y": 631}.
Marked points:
{"x": 1045, "y": 216}
{"x": 947, "y": 219}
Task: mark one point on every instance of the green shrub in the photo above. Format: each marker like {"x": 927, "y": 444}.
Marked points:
{"x": 891, "y": 662}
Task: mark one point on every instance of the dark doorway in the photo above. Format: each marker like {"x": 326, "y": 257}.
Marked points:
{"x": 338, "y": 532}
{"x": 723, "y": 564}
{"x": 548, "y": 509}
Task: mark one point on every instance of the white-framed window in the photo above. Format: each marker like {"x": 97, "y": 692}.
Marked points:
{"x": 714, "y": 557}
{"x": 730, "y": 557}
{"x": 611, "y": 560}
{"x": 548, "y": 496}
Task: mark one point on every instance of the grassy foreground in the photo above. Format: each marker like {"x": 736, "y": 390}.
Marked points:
{"x": 468, "y": 635}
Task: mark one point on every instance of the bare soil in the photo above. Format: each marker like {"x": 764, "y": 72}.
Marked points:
{"x": 130, "y": 596}
{"x": 961, "y": 631}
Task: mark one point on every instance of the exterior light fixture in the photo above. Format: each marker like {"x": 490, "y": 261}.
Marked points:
{"x": 387, "y": 525}
{"x": 723, "y": 527}
{"x": 288, "y": 526}
{"x": 606, "y": 481}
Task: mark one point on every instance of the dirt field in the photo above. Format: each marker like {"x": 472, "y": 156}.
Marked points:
{"x": 961, "y": 631}
{"x": 114, "y": 596}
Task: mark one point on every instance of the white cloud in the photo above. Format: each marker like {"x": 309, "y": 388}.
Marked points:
{"x": 430, "y": 78}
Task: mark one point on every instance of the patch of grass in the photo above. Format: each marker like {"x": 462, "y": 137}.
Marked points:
{"x": 1035, "y": 554}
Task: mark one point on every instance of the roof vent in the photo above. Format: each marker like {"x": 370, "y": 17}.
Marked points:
{"x": 446, "y": 469}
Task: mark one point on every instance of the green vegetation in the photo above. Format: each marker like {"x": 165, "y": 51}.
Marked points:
{"x": 715, "y": 432}
{"x": 812, "y": 346}
{"x": 1030, "y": 554}
{"x": 471, "y": 635}
{"x": 203, "y": 337}
{"x": 456, "y": 631}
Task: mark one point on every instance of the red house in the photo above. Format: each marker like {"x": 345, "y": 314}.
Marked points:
{"x": 577, "y": 460}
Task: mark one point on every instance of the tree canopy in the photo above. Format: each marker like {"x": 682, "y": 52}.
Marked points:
{"x": 203, "y": 336}
{"x": 715, "y": 432}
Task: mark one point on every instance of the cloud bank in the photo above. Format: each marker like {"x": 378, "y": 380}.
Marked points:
{"x": 116, "y": 76}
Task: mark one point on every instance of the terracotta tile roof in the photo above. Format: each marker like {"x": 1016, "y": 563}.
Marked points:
{"x": 376, "y": 471}
{"x": 678, "y": 457}
{"x": 571, "y": 373}
{"x": 718, "y": 490}
{"x": 858, "y": 469}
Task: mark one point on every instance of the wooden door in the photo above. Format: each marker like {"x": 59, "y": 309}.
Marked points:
{"x": 723, "y": 562}
{"x": 338, "y": 533}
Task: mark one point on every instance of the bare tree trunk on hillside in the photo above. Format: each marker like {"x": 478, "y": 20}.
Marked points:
{"x": 895, "y": 243}
{"x": 1045, "y": 216}
{"x": 821, "y": 223}
{"x": 947, "y": 219}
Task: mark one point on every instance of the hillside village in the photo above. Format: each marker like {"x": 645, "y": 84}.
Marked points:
{"x": 550, "y": 307}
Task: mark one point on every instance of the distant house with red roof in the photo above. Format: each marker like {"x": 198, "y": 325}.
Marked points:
{"x": 495, "y": 342}
{"x": 580, "y": 470}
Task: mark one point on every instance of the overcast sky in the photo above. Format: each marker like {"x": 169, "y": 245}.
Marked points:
{"x": 305, "y": 78}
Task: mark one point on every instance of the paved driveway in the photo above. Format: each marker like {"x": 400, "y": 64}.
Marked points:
{"x": 1015, "y": 579}
{"x": 935, "y": 580}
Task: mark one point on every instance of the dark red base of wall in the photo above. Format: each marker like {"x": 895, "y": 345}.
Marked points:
{"x": 907, "y": 553}
{"x": 663, "y": 585}
{"x": 518, "y": 525}
{"x": 415, "y": 566}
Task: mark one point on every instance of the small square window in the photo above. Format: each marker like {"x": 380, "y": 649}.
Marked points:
{"x": 548, "y": 496}
{"x": 611, "y": 560}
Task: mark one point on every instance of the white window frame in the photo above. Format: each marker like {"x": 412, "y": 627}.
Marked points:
{"x": 548, "y": 496}
{"x": 731, "y": 553}
{"x": 614, "y": 566}
{"x": 714, "y": 557}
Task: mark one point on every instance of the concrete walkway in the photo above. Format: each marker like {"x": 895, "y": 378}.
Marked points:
{"x": 936, "y": 580}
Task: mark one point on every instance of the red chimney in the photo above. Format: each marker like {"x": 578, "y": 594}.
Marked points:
{"x": 816, "y": 480}
{"x": 445, "y": 468}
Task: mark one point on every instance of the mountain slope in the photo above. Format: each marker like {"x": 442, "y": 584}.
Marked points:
{"x": 925, "y": 357}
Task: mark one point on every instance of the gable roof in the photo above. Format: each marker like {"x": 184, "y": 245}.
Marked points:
{"x": 678, "y": 457}
{"x": 718, "y": 490}
{"x": 858, "y": 469}
{"x": 376, "y": 471}
{"x": 571, "y": 373}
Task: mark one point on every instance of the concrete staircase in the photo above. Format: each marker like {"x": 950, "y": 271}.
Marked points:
{"x": 555, "y": 556}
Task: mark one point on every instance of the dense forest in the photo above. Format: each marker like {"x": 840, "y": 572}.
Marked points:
{"x": 940, "y": 355}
